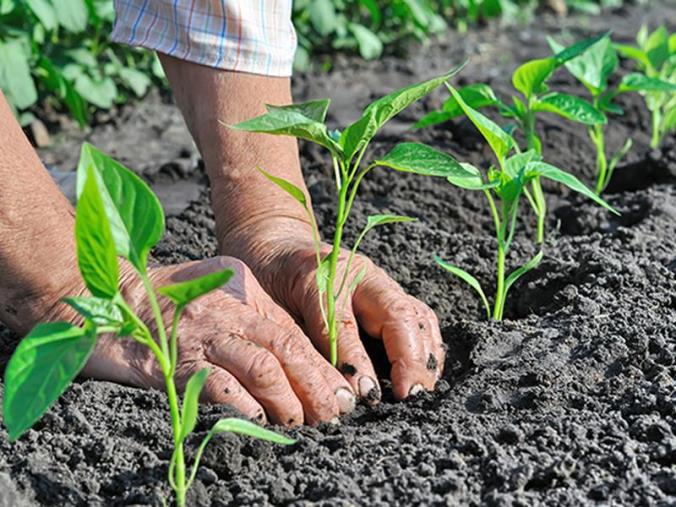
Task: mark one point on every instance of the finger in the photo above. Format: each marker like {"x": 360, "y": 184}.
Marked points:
{"x": 408, "y": 329}
{"x": 260, "y": 374}
{"x": 222, "y": 388}
{"x": 337, "y": 383}
{"x": 306, "y": 379}
{"x": 353, "y": 361}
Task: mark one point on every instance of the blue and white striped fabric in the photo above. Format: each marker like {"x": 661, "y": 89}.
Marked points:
{"x": 254, "y": 36}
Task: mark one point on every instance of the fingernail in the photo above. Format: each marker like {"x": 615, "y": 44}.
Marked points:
{"x": 416, "y": 389}
{"x": 368, "y": 389}
{"x": 335, "y": 421}
{"x": 346, "y": 400}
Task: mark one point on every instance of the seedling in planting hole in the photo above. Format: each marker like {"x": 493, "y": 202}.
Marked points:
{"x": 530, "y": 80}
{"x": 592, "y": 69}
{"x": 117, "y": 215}
{"x": 655, "y": 57}
{"x": 502, "y": 187}
{"x": 347, "y": 149}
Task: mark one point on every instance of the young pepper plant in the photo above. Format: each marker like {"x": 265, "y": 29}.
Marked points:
{"x": 593, "y": 69}
{"x": 533, "y": 98}
{"x": 347, "y": 150}
{"x": 655, "y": 57}
{"x": 117, "y": 215}
{"x": 502, "y": 186}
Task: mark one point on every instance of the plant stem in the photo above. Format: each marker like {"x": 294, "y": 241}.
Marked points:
{"x": 598, "y": 137}
{"x": 333, "y": 265}
{"x": 500, "y": 290}
{"x": 656, "y": 135}
{"x": 541, "y": 209}
{"x": 179, "y": 470}
{"x": 172, "y": 395}
{"x": 540, "y": 202}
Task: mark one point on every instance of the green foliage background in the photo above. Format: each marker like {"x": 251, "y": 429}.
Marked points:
{"x": 56, "y": 53}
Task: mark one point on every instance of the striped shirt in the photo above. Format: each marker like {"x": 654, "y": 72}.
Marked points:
{"x": 254, "y": 36}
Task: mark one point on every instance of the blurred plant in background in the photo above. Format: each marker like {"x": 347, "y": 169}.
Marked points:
{"x": 57, "y": 53}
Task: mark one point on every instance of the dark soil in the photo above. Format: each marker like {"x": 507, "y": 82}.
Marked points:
{"x": 570, "y": 401}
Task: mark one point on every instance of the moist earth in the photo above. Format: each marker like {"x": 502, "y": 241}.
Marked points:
{"x": 569, "y": 401}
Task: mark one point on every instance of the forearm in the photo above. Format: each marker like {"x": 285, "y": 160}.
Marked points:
{"x": 245, "y": 203}
{"x": 37, "y": 249}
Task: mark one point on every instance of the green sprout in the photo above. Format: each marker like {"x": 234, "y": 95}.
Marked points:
{"x": 655, "y": 57}
{"x": 593, "y": 69}
{"x": 503, "y": 187}
{"x": 347, "y": 150}
{"x": 530, "y": 81}
{"x": 117, "y": 215}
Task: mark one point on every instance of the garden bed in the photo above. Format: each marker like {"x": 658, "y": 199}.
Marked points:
{"x": 569, "y": 401}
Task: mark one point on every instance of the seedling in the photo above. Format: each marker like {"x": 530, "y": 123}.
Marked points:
{"x": 655, "y": 57}
{"x": 502, "y": 187}
{"x": 593, "y": 69}
{"x": 117, "y": 216}
{"x": 347, "y": 149}
{"x": 530, "y": 81}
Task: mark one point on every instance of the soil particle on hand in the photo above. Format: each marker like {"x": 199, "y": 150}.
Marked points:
{"x": 569, "y": 401}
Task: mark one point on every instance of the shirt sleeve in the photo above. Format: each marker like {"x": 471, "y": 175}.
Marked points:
{"x": 255, "y": 36}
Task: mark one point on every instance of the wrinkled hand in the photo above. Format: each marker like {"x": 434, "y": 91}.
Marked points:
{"x": 409, "y": 328}
{"x": 260, "y": 362}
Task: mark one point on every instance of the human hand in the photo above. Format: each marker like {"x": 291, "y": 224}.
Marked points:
{"x": 286, "y": 266}
{"x": 259, "y": 360}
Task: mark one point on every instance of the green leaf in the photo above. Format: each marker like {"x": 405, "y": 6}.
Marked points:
{"x": 529, "y": 78}
{"x": 554, "y": 173}
{"x": 288, "y": 187}
{"x": 323, "y": 16}
{"x": 242, "y": 427}
{"x": 570, "y": 107}
{"x": 467, "y": 278}
{"x": 360, "y": 133}
{"x": 15, "y": 75}
{"x": 184, "y": 292}
{"x": 44, "y": 11}
{"x": 476, "y": 96}
{"x": 500, "y": 142}
{"x": 376, "y": 220}
{"x": 636, "y": 82}
{"x": 55, "y": 82}
{"x": 100, "y": 92}
{"x": 94, "y": 241}
{"x": 191, "y": 402}
{"x": 44, "y": 363}
{"x": 370, "y": 46}
{"x": 657, "y": 48}
{"x": 575, "y": 50}
{"x": 293, "y": 121}
{"x": 134, "y": 212}
{"x": 518, "y": 273}
{"x": 424, "y": 160}
{"x": 593, "y": 67}
{"x": 636, "y": 54}
{"x": 316, "y": 110}
{"x": 138, "y": 81}
{"x": 72, "y": 15}
{"x": 515, "y": 165}
{"x": 101, "y": 312}
{"x": 433, "y": 118}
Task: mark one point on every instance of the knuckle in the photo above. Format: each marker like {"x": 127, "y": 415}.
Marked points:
{"x": 263, "y": 371}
